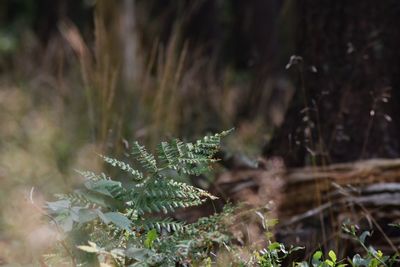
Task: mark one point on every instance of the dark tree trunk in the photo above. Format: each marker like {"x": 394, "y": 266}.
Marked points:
{"x": 346, "y": 103}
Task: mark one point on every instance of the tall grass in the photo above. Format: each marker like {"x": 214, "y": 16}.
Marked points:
{"x": 75, "y": 104}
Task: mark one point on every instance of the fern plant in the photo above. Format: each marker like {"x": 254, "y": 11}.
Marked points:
{"x": 127, "y": 223}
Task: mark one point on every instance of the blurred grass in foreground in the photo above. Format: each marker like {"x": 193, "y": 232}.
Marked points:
{"x": 67, "y": 102}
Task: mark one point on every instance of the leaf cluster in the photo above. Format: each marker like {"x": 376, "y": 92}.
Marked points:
{"x": 130, "y": 223}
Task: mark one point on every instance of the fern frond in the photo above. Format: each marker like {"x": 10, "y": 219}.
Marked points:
{"x": 210, "y": 144}
{"x": 77, "y": 198}
{"x": 166, "y": 195}
{"x": 169, "y": 188}
{"x": 113, "y": 237}
{"x": 162, "y": 224}
{"x": 183, "y": 158}
{"x": 88, "y": 175}
{"x": 108, "y": 188}
{"x": 192, "y": 191}
{"x": 137, "y": 175}
{"x": 119, "y": 214}
{"x": 89, "y": 199}
{"x": 147, "y": 160}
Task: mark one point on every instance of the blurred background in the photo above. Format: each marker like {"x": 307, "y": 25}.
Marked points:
{"x": 304, "y": 83}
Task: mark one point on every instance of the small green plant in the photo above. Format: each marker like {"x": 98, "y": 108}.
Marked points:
{"x": 276, "y": 254}
{"x": 373, "y": 257}
{"x": 273, "y": 255}
{"x": 319, "y": 261}
{"x": 128, "y": 224}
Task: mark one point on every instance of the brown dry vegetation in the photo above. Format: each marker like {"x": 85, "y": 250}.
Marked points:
{"x": 83, "y": 87}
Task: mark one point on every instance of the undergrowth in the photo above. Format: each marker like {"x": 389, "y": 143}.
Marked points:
{"x": 113, "y": 223}
{"x": 128, "y": 223}
{"x": 276, "y": 255}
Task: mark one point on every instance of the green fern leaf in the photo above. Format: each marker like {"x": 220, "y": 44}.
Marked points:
{"x": 122, "y": 215}
{"x": 123, "y": 166}
{"x": 146, "y": 159}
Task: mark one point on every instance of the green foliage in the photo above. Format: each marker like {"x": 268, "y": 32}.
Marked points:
{"x": 319, "y": 261}
{"x": 372, "y": 257}
{"x": 274, "y": 254}
{"x": 128, "y": 223}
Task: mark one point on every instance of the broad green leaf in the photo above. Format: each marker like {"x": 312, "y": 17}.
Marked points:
{"x": 66, "y": 223}
{"x": 102, "y": 186}
{"x": 316, "y": 258}
{"x": 139, "y": 254}
{"x": 274, "y": 246}
{"x": 86, "y": 215}
{"x": 330, "y": 263}
{"x": 103, "y": 217}
{"x": 150, "y": 237}
{"x": 58, "y": 206}
{"x": 332, "y": 255}
{"x": 364, "y": 235}
{"x": 119, "y": 220}
{"x": 317, "y": 255}
{"x": 359, "y": 261}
